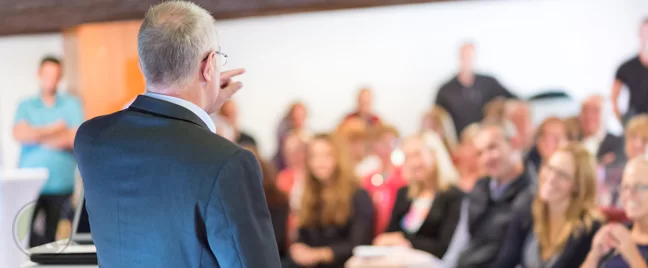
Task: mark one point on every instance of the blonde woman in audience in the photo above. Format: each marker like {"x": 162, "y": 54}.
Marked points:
{"x": 466, "y": 159}
{"x": 336, "y": 214}
{"x": 438, "y": 120}
{"x": 556, "y": 230}
{"x": 443, "y": 159}
{"x": 617, "y": 245}
{"x": 426, "y": 211}
{"x": 552, "y": 133}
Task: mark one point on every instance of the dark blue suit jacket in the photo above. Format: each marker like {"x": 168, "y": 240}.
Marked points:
{"x": 163, "y": 191}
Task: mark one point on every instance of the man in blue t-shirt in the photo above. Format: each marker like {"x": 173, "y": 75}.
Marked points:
{"x": 45, "y": 125}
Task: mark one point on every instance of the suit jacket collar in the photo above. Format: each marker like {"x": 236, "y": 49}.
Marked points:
{"x": 167, "y": 109}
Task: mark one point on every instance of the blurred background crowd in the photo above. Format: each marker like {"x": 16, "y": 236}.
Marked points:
{"x": 489, "y": 178}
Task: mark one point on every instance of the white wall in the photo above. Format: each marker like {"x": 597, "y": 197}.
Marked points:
{"x": 19, "y": 59}
{"x": 406, "y": 52}
{"x": 403, "y": 52}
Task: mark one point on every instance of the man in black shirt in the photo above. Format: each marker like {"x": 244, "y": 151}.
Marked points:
{"x": 465, "y": 95}
{"x": 634, "y": 75}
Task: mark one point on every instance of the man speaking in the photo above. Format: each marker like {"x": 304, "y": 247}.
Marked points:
{"x": 161, "y": 189}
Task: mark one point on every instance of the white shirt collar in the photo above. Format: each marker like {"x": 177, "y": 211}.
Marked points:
{"x": 186, "y": 104}
{"x": 593, "y": 142}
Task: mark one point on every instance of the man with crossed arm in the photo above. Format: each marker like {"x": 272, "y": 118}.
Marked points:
{"x": 45, "y": 126}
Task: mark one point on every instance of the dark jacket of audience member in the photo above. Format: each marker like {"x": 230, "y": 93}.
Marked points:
{"x": 489, "y": 218}
{"x": 436, "y": 232}
{"x": 465, "y": 104}
{"x": 611, "y": 144}
{"x": 520, "y": 228}
{"x": 342, "y": 239}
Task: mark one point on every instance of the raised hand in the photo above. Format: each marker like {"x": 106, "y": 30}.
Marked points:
{"x": 228, "y": 88}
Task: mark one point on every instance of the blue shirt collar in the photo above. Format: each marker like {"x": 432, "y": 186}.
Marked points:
{"x": 497, "y": 189}
{"x": 188, "y": 105}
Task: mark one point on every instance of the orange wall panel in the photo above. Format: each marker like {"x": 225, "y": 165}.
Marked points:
{"x": 103, "y": 65}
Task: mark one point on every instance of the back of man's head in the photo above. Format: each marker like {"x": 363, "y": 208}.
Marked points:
{"x": 172, "y": 41}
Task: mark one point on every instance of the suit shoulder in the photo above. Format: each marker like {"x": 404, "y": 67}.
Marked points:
{"x": 94, "y": 126}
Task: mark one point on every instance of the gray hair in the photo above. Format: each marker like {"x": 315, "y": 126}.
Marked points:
{"x": 504, "y": 126}
{"x": 173, "y": 39}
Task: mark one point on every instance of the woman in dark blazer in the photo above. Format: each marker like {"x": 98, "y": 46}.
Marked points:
{"x": 336, "y": 214}
{"x": 557, "y": 229}
{"x": 426, "y": 212}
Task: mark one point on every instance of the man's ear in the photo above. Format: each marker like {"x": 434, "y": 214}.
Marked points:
{"x": 208, "y": 67}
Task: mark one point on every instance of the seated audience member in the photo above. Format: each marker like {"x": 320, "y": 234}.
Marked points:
{"x": 495, "y": 110}
{"x": 383, "y": 184}
{"x": 353, "y": 132}
{"x": 364, "y": 108}
{"x": 294, "y": 121}
{"x": 574, "y": 129}
{"x": 276, "y": 199}
{"x": 556, "y": 230}
{"x": 636, "y": 136}
{"x": 616, "y": 245}
{"x": 494, "y": 198}
{"x": 519, "y": 114}
{"x": 465, "y": 159}
{"x": 427, "y": 211}
{"x": 336, "y": 214}
{"x": 606, "y": 147}
{"x": 291, "y": 179}
{"x": 229, "y": 112}
{"x": 552, "y": 133}
{"x": 636, "y": 145}
{"x": 438, "y": 120}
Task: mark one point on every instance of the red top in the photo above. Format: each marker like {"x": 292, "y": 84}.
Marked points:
{"x": 383, "y": 193}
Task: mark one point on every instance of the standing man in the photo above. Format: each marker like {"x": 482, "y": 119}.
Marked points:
{"x": 45, "y": 126}
{"x": 161, "y": 188}
{"x": 493, "y": 200}
{"x": 364, "y": 108}
{"x": 465, "y": 95}
{"x": 634, "y": 75}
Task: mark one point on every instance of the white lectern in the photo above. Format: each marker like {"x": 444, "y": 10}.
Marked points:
{"x": 18, "y": 188}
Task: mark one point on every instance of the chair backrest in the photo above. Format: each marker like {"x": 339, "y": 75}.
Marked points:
{"x": 460, "y": 238}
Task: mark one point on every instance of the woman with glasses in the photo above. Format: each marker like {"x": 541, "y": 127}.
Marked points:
{"x": 557, "y": 229}
{"x": 617, "y": 245}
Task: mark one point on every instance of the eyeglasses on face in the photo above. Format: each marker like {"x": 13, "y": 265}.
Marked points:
{"x": 634, "y": 188}
{"x": 222, "y": 57}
